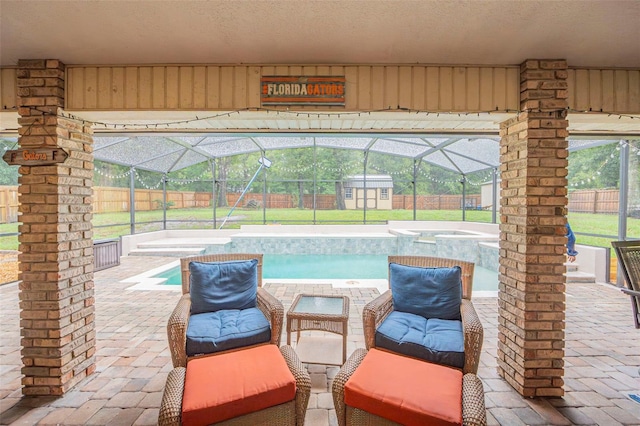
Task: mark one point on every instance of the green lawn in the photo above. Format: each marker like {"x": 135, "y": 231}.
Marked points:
{"x": 111, "y": 225}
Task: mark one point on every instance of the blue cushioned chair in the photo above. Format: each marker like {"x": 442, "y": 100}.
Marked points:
{"x": 427, "y": 313}
{"x": 223, "y": 307}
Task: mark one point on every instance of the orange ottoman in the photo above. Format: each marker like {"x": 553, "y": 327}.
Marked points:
{"x": 377, "y": 385}
{"x": 259, "y": 383}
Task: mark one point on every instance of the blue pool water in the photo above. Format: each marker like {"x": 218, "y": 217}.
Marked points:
{"x": 354, "y": 266}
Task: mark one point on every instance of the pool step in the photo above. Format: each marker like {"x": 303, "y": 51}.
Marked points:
{"x": 183, "y": 242}
{"x": 167, "y": 251}
{"x": 574, "y": 275}
{"x": 177, "y": 247}
{"x": 580, "y": 277}
{"x": 572, "y": 267}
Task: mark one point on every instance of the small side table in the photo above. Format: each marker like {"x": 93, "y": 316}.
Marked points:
{"x": 322, "y": 313}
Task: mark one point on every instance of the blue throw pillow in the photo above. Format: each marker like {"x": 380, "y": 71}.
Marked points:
{"x": 223, "y": 285}
{"x": 428, "y": 292}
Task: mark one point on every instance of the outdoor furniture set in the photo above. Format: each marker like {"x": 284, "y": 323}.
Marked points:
{"x": 423, "y": 340}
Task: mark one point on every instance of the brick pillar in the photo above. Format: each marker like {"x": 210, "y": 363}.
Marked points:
{"x": 56, "y": 259}
{"x": 531, "y": 300}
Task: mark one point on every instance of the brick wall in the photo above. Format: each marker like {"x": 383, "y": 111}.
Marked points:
{"x": 533, "y": 156}
{"x": 56, "y": 260}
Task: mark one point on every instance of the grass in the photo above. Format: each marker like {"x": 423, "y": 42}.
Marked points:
{"x": 112, "y": 225}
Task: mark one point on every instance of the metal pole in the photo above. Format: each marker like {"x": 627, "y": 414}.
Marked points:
{"x": 623, "y": 204}
{"x": 132, "y": 201}
{"x": 364, "y": 186}
{"x": 263, "y": 163}
{"x": 494, "y": 196}
{"x": 214, "y": 201}
{"x": 415, "y": 193}
{"x": 623, "y": 199}
{"x": 264, "y": 198}
{"x": 463, "y": 181}
{"x": 164, "y": 201}
{"x": 315, "y": 178}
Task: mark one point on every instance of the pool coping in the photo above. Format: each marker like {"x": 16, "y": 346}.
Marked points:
{"x": 147, "y": 282}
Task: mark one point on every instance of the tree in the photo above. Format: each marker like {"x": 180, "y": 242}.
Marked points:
{"x": 334, "y": 166}
{"x": 8, "y": 174}
{"x": 223, "y": 165}
{"x": 597, "y": 167}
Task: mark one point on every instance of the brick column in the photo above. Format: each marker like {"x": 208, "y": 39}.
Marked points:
{"x": 56, "y": 259}
{"x": 531, "y": 301}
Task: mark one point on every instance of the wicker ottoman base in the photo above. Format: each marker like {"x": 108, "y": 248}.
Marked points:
{"x": 473, "y": 408}
{"x": 290, "y": 413}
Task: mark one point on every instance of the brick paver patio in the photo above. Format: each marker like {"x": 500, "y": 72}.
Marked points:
{"x": 601, "y": 362}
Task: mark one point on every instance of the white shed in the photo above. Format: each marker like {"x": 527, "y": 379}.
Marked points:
{"x": 379, "y": 192}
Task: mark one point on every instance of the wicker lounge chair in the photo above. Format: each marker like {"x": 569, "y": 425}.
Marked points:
{"x": 178, "y": 322}
{"x": 473, "y": 407}
{"x": 376, "y": 311}
{"x": 628, "y": 254}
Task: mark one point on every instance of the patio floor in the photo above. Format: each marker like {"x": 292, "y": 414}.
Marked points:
{"x": 601, "y": 362}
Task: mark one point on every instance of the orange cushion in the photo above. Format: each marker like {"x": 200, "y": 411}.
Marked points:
{"x": 225, "y": 386}
{"x": 406, "y": 390}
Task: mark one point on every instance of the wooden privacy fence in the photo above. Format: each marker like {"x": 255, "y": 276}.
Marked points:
{"x": 435, "y": 202}
{"x": 109, "y": 199}
{"x": 8, "y": 204}
{"x": 117, "y": 200}
{"x": 594, "y": 201}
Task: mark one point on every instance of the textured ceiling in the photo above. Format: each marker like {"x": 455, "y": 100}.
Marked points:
{"x": 602, "y": 33}
{"x": 598, "y": 33}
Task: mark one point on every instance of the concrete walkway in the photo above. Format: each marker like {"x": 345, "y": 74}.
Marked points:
{"x": 601, "y": 363}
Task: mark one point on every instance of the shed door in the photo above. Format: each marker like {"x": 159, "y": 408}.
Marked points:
{"x": 371, "y": 198}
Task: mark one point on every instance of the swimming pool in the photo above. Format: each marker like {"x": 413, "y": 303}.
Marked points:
{"x": 352, "y": 267}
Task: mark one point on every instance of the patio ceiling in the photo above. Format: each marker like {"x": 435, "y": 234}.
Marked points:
{"x": 595, "y": 33}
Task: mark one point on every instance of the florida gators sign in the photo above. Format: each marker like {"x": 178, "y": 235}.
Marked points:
{"x": 302, "y": 90}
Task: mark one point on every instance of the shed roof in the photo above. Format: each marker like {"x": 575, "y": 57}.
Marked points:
{"x": 373, "y": 181}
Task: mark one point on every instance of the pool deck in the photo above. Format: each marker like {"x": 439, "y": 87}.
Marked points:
{"x": 602, "y": 358}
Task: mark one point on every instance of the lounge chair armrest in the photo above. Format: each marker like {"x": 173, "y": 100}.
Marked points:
{"x": 473, "y": 336}
{"x": 373, "y": 314}
{"x": 630, "y": 292}
{"x": 177, "y": 331}
{"x": 303, "y": 382}
{"x": 273, "y": 310}
{"x": 171, "y": 406}
{"x": 339, "y": 381}
{"x": 474, "y": 412}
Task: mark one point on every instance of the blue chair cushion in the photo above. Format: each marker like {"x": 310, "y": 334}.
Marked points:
{"x": 434, "y": 340}
{"x": 223, "y": 285}
{"x": 428, "y": 292}
{"x": 212, "y": 332}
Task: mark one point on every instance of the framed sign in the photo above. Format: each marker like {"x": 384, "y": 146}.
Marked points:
{"x": 302, "y": 90}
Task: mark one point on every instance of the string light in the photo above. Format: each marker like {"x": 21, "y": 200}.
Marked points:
{"x": 310, "y": 115}
{"x": 189, "y": 181}
{"x": 172, "y": 124}
{"x": 146, "y": 185}
{"x": 109, "y": 175}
